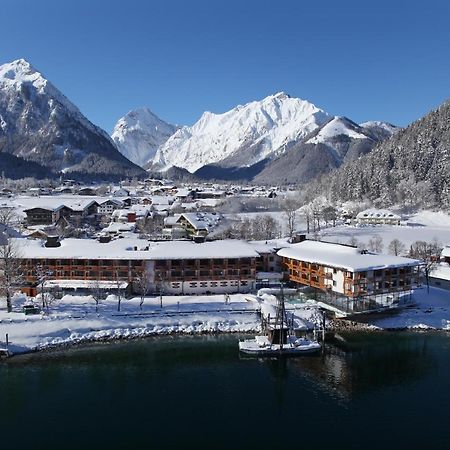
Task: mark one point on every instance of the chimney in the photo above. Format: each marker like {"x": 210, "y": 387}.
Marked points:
{"x": 52, "y": 241}
{"x": 298, "y": 238}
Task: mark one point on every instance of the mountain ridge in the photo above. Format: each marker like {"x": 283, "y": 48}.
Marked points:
{"x": 41, "y": 125}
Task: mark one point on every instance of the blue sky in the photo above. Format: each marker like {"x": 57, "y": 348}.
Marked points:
{"x": 382, "y": 60}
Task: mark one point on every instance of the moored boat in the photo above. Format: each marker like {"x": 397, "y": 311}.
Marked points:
{"x": 279, "y": 339}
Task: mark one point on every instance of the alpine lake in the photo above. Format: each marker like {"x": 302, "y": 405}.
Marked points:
{"x": 364, "y": 391}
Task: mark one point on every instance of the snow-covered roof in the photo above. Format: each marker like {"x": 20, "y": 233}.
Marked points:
{"x": 343, "y": 256}
{"x": 118, "y": 227}
{"x": 377, "y": 214}
{"x": 446, "y": 252}
{"x": 200, "y": 220}
{"x": 146, "y": 250}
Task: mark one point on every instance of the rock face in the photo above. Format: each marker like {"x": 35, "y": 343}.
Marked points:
{"x": 411, "y": 168}
{"x": 243, "y": 136}
{"x": 39, "y": 124}
{"x": 140, "y": 133}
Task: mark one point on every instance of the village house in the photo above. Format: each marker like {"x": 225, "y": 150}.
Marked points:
{"x": 198, "y": 224}
{"x": 108, "y": 206}
{"x": 378, "y": 217}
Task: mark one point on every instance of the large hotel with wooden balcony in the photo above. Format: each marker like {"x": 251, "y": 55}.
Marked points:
{"x": 178, "y": 267}
{"x": 347, "y": 277}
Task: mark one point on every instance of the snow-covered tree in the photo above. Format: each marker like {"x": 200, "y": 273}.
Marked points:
{"x": 11, "y": 274}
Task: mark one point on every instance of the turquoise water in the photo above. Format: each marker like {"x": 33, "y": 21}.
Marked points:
{"x": 365, "y": 391}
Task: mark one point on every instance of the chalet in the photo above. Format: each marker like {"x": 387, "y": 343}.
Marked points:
{"x": 86, "y": 191}
{"x": 108, "y": 206}
{"x": 378, "y": 217}
{"x": 208, "y": 193}
{"x": 198, "y": 224}
{"x": 121, "y": 192}
{"x": 62, "y": 190}
{"x": 43, "y": 215}
{"x": 124, "y": 216}
{"x": 348, "y": 276}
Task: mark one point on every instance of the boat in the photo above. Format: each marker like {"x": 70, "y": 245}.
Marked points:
{"x": 279, "y": 338}
{"x": 262, "y": 346}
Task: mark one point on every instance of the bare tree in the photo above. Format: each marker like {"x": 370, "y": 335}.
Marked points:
{"x": 271, "y": 227}
{"x": 42, "y": 275}
{"x": 329, "y": 214}
{"x": 376, "y": 244}
{"x": 96, "y": 292}
{"x": 119, "y": 290}
{"x": 11, "y": 275}
{"x": 8, "y": 216}
{"x": 353, "y": 241}
{"x": 396, "y": 247}
{"x": 290, "y": 207}
{"x": 144, "y": 285}
{"x": 429, "y": 252}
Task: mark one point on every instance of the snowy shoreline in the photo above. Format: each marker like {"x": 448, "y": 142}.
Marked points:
{"x": 75, "y": 321}
{"x": 117, "y": 335}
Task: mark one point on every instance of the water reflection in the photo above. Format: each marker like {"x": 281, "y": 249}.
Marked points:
{"x": 187, "y": 391}
{"x": 353, "y": 365}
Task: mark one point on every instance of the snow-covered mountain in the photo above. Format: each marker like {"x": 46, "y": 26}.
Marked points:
{"x": 381, "y": 130}
{"x": 325, "y": 149}
{"x": 243, "y": 136}
{"x": 39, "y": 124}
{"x": 140, "y": 133}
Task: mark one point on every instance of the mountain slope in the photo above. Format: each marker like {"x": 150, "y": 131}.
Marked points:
{"x": 411, "y": 167}
{"x": 39, "y": 124}
{"x": 140, "y": 133}
{"x": 242, "y": 136}
{"x": 327, "y": 148}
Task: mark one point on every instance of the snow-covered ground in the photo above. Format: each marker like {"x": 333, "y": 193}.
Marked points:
{"x": 422, "y": 226}
{"x": 74, "y": 319}
{"x": 430, "y": 311}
